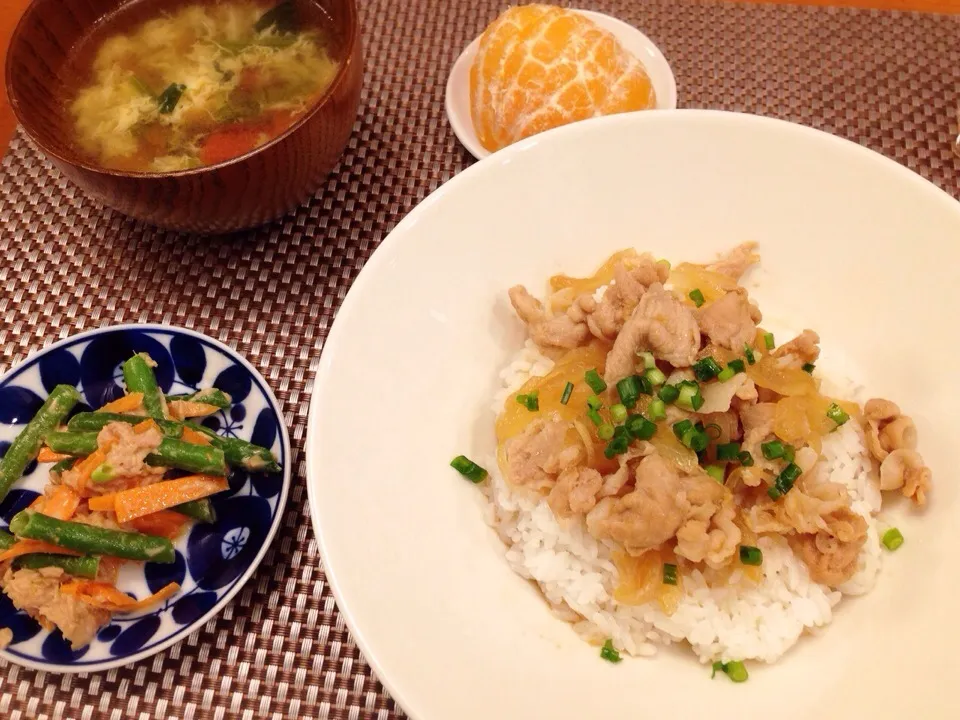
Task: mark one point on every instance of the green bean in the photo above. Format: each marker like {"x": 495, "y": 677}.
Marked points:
{"x": 6, "y": 540}
{"x": 28, "y": 443}
{"x": 139, "y": 377}
{"x": 62, "y": 466}
{"x": 201, "y": 510}
{"x": 96, "y": 421}
{"x": 92, "y": 540}
{"x": 84, "y": 566}
{"x": 240, "y": 453}
{"x": 72, "y": 443}
{"x": 207, "y": 396}
{"x": 170, "y": 453}
{"x": 187, "y": 456}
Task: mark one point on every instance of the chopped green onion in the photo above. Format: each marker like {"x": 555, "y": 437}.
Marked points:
{"x": 530, "y": 401}
{"x": 745, "y": 458}
{"x": 728, "y": 451}
{"x": 748, "y": 352}
{"x": 648, "y": 360}
{"x": 655, "y": 376}
{"x": 594, "y": 417}
{"x": 594, "y": 380}
{"x": 772, "y": 450}
{"x": 469, "y": 469}
{"x": 750, "y": 555}
{"x": 717, "y": 667}
{"x": 669, "y": 393}
{"x": 784, "y": 481}
{"x": 640, "y": 428}
{"x": 737, "y": 365}
{"x": 594, "y": 402}
{"x": 609, "y": 653}
{"x": 768, "y": 341}
{"x": 657, "y": 410}
{"x": 681, "y": 428}
{"x": 726, "y": 374}
{"x": 618, "y": 412}
{"x": 892, "y": 539}
{"x": 736, "y": 671}
{"x": 696, "y": 440}
{"x": 809, "y": 367}
{"x": 567, "y": 392}
{"x": 706, "y": 369}
{"x": 697, "y": 297}
{"x": 646, "y": 387}
{"x": 789, "y": 453}
{"x": 629, "y": 390}
{"x": 837, "y": 414}
{"x": 605, "y": 431}
{"x": 168, "y": 99}
{"x": 690, "y": 396}
{"x": 621, "y": 431}
{"x": 669, "y": 574}
{"x": 617, "y": 446}
{"x": 716, "y": 472}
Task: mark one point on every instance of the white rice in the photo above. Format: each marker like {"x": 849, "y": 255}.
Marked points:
{"x": 737, "y": 622}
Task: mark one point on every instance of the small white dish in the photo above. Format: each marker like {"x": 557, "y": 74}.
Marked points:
{"x": 457, "y": 101}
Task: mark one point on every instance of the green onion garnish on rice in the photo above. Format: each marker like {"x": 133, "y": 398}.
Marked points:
{"x": 640, "y": 428}
{"x": 748, "y": 353}
{"x": 706, "y": 369}
{"x": 655, "y": 376}
{"x": 609, "y": 653}
{"x": 594, "y": 417}
{"x": 772, "y": 450}
{"x": 531, "y": 401}
{"x": 745, "y": 458}
{"x": 728, "y": 451}
{"x": 738, "y": 366}
{"x": 715, "y": 471}
{"x": 648, "y": 360}
{"x": 669, "y": 574}
{"x": 892, "y": 539}
{"x": 697, "y": 297}
{"x": 669, "y": 393}
{"x": 594, "y": 402}
{"x": 594, "y": 380}
{"x": 768, "y": 341}
{"x": 735, "y": 670}
{"x": 629, "y": 391}
{"x": 750, "y": 555}
{"x": 809, "y": 367}
{"x": 726, "y": 374}
{"x": 567, "y": 392}
{"x": 657, "y": 410}
{"x": 605, "y": 431}
{"x": 784, "y": 481}
{"x": 690, "y": 397}
{"x": 618, "y": 412}
{"x": 837, "y": 414}
{"x": 469, "y": 469}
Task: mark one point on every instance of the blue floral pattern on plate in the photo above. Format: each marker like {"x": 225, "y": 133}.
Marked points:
{"x": 213, "y": 560}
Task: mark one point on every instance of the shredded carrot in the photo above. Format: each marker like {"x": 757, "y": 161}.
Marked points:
{"x": 62, "y": 503}
{"x": 164, "y": 523}
{"x": 28, "y": 547}
{"x": 194, "y": 437}
{"x": 107, "y": 597}
{"x": 38, "y": 503}
{"x": 140, "y": 501}
{"x": 183, "y": 409}
{"x": 102, "y": 503}
{"x": 91, "y": 463}
{"x": 47, "y": 455}
{"x": 145, "y": 426}
{"x": 128, "y": 403}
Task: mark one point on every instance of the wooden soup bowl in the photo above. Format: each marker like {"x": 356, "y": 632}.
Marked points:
{"x": 239, "y": 193}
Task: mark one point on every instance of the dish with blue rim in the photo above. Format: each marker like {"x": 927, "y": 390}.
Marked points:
{"x": 211, "y": 560}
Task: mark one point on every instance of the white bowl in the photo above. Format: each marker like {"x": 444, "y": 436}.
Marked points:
{"x": 853, "y": 245}
{"x": 457, "y": 100}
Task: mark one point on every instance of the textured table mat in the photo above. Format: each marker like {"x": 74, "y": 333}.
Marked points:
{"x": 889, "y": 81}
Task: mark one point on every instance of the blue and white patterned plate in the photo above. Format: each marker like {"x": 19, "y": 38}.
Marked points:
{"x": 213, "y": 561}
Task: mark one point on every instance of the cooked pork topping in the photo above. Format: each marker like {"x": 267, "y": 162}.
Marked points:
{"x": 802, "y": 350}
{"x": 736, "y": 262}
{"x": 661, "y": 324}
{"x": 575, "y": 492}
{"x": 731, "y": 321}
{"x": 903, "y": 470}
{"x": 546, "y": 330}
{"x": 540, "y": 453}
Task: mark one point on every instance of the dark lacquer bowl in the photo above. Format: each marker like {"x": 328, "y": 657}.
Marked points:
{"x": 239, "y": 193}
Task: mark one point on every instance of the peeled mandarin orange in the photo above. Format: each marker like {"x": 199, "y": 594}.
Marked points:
{"x": 540, "y": 66}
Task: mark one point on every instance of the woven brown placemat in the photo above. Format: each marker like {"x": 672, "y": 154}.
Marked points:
{"x": 889, "y": 81}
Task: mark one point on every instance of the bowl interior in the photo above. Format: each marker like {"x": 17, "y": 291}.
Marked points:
{"x": 52, "y": 45}
{"x": 852, "y": 244}
{"x": 213, "y": 560}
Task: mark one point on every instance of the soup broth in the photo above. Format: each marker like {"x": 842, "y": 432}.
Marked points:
{"x": 198, "y": 84}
